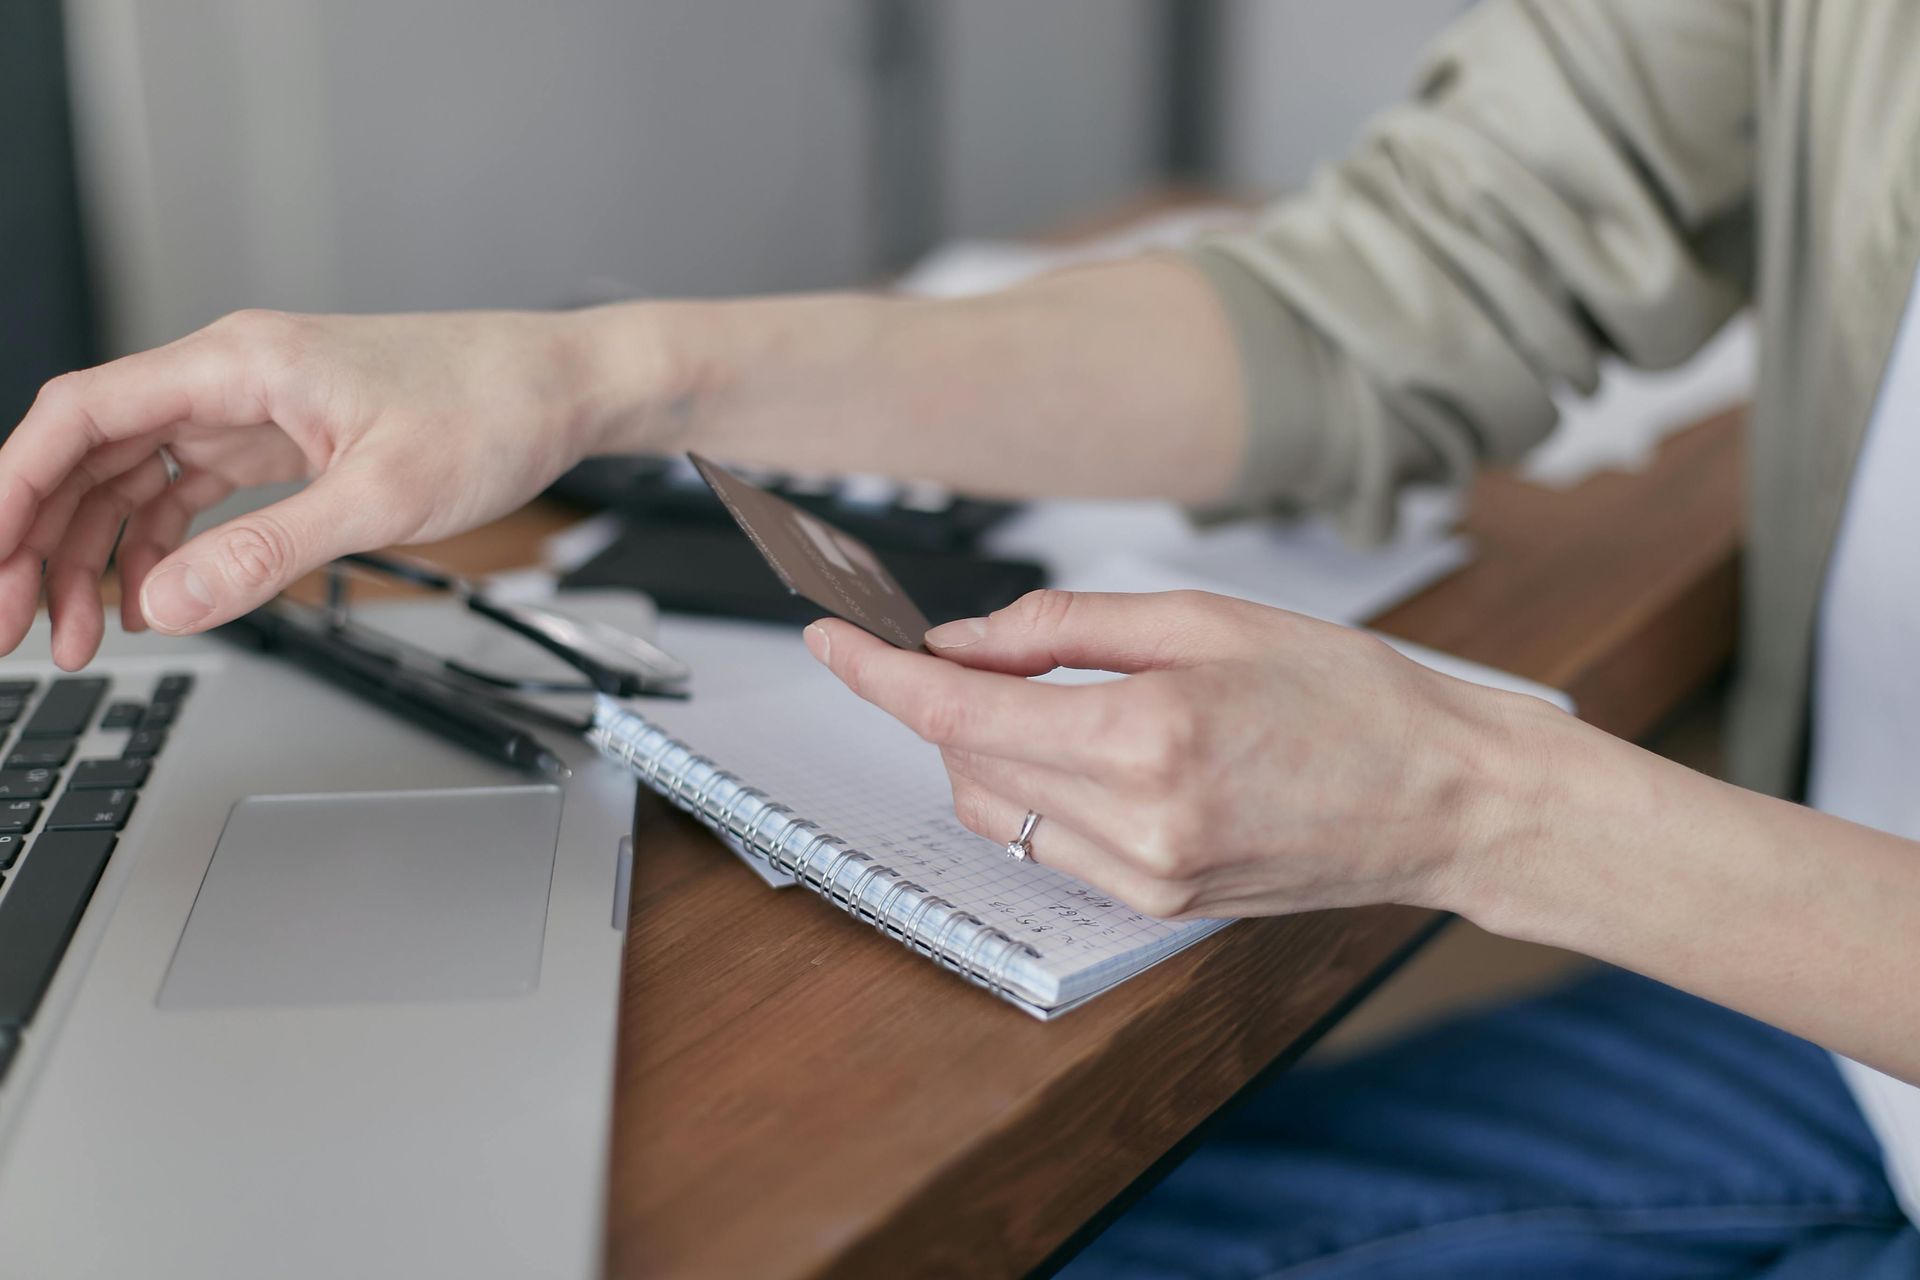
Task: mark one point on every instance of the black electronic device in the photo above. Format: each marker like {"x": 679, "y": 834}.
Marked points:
{"x": 888, "y": 516}
{"x": 714, "y": 569}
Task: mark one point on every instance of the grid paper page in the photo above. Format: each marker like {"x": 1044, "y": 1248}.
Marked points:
{"x": 766, "y": 712}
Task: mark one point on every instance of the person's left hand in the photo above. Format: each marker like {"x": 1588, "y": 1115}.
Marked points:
{"x": 1253, "y": 762}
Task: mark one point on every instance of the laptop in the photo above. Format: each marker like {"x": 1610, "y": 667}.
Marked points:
{"x": 289, "y": 987}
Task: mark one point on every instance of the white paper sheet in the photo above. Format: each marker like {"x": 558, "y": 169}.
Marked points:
{"x": 1303, "y": 564}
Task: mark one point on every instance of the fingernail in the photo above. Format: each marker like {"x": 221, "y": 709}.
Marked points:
{"x": 176, "y": 598}
{"x": 818, "y": 644}
{"x": 957, "y": 634}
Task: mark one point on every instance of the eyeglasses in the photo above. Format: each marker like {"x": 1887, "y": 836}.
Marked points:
{"x": 582, "y": 655}
{"x": 490, "y": 651}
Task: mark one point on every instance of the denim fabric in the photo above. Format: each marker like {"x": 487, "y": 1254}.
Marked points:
{"x": 1616, "y": 1128}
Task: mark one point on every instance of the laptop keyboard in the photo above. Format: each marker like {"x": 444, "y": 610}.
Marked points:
{"x": 55, "y": 840}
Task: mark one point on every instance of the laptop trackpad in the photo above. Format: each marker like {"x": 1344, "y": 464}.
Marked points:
{"x": 372, "y": 897}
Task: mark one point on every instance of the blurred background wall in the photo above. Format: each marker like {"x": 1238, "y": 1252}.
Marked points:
{"x": 46, "y": 322}
{"x": 1300, "y": 77}
{"x": 383, "y": 154}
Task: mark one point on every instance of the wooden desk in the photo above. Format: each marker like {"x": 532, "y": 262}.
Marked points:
{"x": 797, "y": 1095}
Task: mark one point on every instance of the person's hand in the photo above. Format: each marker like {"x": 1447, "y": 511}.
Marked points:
{"x": 1253, "y": 762}
{"x": 410, "y": 428}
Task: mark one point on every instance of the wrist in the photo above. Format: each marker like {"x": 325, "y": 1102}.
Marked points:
{"x": 1531, "y": 781}
{"x": 635, "y": 373}
{"x": 659, "y": 377}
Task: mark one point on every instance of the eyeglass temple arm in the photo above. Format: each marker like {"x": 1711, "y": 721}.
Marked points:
{"x": 619, "y": 684}
{"x": 413, "y": 571}
{"x": 604, "y": 678}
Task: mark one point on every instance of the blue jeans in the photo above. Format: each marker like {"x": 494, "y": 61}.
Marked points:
{"x": 1615, "y": 1128}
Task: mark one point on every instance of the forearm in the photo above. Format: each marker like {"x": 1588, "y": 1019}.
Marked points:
{"x": 1795, "y": 917}
{"x": 1114, "y": 381}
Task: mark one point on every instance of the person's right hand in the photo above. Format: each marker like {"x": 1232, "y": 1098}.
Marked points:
{"x": 409, "y": 427}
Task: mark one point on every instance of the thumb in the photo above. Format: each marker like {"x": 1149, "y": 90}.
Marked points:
{"x": 244, "y": 563}
{"x": 1094, "y": 631}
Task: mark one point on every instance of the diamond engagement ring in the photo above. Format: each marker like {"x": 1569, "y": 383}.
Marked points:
{"x": 1020, "y": 848}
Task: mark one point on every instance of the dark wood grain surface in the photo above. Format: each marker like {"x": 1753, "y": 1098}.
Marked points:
{"x": 797, "y": 1095}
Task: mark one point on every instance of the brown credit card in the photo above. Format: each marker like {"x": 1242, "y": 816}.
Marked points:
{"x": 835, "y": 570}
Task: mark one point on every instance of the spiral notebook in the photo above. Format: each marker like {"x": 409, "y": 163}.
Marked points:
{"x": 810, "y": 783}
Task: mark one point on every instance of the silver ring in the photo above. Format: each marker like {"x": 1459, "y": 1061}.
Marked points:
{"x": 171, "y": 463}
{"x": 1020, "y": 848}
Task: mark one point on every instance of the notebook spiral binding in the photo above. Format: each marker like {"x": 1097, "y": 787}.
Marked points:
{"x": 844, "y": 876}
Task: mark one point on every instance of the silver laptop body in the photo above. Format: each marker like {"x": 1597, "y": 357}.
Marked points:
{"x": 372, "y": 1036}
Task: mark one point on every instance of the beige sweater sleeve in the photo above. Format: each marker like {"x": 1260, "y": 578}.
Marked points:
{"x": 1571, "y": 178}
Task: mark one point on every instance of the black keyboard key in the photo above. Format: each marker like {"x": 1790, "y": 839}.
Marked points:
{"x": 26, "y": 784}
{"x": 18, "y": 815}
{"x": 10, "y": 709}
{"x": 122, "y": 715}
{"x": 91, "y": 810}
{"x": 9, "y": 1040}
{"x": 18, "y": 688}
{"x": 10, "y": 847}
{"x": 144, "y": 742}
{"x": 159, "y": 715}
{"x": 100, "y": 775}
{"x": 40, "y": 911}
{"x": 45, "y": 752}
{"x": 172, "y": 688}
{"x": 67, "y": 708}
